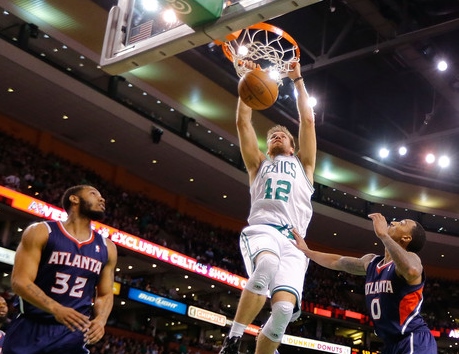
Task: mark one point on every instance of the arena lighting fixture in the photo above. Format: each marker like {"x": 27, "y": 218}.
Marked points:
{"x": 150, "y": 5}
{"x": 402, "y": 150}
{"x": 274, "y": 74}
{"x": 444, "y": 161}
{"x": 430, "y": 158}
{"x": 442, "y": 65}
{"x": 242, "y": 50}
{"x": 312, "y": 101}
{"x": 169, "y": 16}
{"x": 383, "y": 153}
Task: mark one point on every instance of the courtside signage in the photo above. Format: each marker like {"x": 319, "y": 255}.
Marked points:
{"x": 157, "y": 301}
{"x": 301, "y": 342}
{"x": 315, "y": 345}
{"x": 207, "y": 316}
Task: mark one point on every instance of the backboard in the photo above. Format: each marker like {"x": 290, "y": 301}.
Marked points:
{"x": 136, "y": 36}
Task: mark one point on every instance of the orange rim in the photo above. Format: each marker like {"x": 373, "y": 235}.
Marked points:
{"x": 258, "y": 26}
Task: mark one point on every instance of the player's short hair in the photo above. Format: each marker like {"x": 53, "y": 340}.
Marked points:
{"x": 65, "y": 202}
{"x": 281, "y": 128}
{"x": 418, "y": 238}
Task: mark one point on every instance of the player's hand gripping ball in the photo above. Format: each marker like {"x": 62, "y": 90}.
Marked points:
{"x": 258, "y": 90}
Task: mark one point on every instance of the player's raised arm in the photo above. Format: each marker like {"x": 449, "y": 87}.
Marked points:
{"x": 407, "y": 264}
{"x": 307, "y": 133}
{"x": 251, "y": 154}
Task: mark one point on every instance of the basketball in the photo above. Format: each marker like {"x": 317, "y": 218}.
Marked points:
{"x": 257, "y": 90}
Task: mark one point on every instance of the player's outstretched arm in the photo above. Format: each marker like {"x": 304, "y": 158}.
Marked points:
{"x": 248, "y": 141}
{"x": 26, "y": 262}
{"x": 307, "y": 134}
{"x": 352, "y": 265}
{"x": 251, "y": 153}
{"x": 103, "y": 303}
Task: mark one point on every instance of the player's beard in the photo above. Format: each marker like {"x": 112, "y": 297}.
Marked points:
{"x": 277, "y": 150}
{"x": 86, "y": 210}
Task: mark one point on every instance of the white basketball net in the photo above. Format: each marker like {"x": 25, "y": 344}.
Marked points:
{"x": 269, "y": 49}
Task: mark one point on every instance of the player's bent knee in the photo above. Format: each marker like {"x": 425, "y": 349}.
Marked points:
{"x": 267, "y": 266}
{"x": 281, "y": 314}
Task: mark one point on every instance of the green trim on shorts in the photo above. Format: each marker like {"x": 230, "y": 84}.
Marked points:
{"x": 284, "y": 230}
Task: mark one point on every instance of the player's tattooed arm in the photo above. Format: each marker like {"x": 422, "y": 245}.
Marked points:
{"x": 352, "y": 265}
{"x": 357, "y": 266}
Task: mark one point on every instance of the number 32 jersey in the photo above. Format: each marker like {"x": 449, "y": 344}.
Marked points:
{"x": 394, "y": 305}
{"x": 69, "y": 270}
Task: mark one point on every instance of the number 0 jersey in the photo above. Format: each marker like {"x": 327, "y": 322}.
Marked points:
{"x": 68, "y": 271}
{"x": 394, "y": 305}
{"x": 281, "y": 194}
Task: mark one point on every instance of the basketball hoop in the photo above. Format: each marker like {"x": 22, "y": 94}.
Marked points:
{"x": 264, "y": 44}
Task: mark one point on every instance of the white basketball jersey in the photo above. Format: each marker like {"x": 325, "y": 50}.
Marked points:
{"x": 281, "y": 194}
